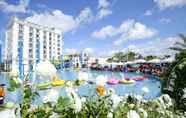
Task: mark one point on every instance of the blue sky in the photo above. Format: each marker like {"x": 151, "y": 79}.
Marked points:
{"x": 103, "y": 27}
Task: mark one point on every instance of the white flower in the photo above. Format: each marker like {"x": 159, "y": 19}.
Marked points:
{"x": 109, "y": 115}
{"x": 101, "y": 80}
{"x": 7, "y": 113}
{"x": 116, "y": 100}
{"x": 46, "y": 69}
{"x": 69, "y": 84}
{"x": 83, "y": 99}
{"x": 132, "y": 114}
{"x": 78, "y": 104}
{"x": 145, "y": 115}
{"x": 167, "y": 101}
{"x": 51, "y": 96}
{"x": 83, "y": 76}
{"x": 54, "y": 115}
{"x": 75, "y": 99}
{"x": 71, "y": 92}
{"x": 184, "y": 93}
{"x": 145, "y": 90}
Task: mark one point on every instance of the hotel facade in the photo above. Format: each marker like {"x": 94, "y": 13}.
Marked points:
{"x": 27, "y": 44}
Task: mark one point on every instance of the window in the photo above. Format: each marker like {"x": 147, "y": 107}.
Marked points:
{"x": 30, "y": 50}
{"x": 30, "y": 39}
{"x": 30, "y": 45}
{"x": 20, "y": 27}
{"x": 31, "y": 29}
{"x": 30, "y": 34}
{"x": 37, "y": 30}
{"x": 20, "y": 37}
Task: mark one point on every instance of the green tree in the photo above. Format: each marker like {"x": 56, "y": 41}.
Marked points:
{"x": 150, "y": 57}
{"x": 121, "y": 56}
{"x": 180, "y": 46}
{"x": 175, "y": 76}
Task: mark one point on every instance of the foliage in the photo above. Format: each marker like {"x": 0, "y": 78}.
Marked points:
{"x": 43, "y": 111}
{"x": 102, "y": 107}
{"x": 28, "y": 96}
{"x": 175, "y": 76}
{"x": 13, "y": 83}
{"x": 56, "y": 63}
{"x": 150, "y": 57}
{"x": 180, "y": 46}
{"x": 121, "y": 56}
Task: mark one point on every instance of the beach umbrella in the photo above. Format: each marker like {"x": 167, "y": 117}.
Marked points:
{"x": 128, "y": 62}
{"x": 168, "y": 60}
{"x": 140, "y": 61}
{"x": 155, "y": 61}
{"x": 46, "y": 69}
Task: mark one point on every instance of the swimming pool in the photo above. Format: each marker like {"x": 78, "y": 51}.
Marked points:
{"x": 152, "y": 83}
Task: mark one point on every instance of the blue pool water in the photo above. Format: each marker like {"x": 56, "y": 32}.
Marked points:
{"x": 152, "y": 83}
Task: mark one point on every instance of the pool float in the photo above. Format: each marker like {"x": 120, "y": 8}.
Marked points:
{"x": 113, "y": 81}
{"x": 57, "y": 82}
{"x": 2, "y": 93}
{"x": 127, "y": 81}
{"x": 43, "y": 86}
{"x": 139, "y": 78}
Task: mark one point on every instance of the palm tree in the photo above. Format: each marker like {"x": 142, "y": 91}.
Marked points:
{"x": 180, "y": 46}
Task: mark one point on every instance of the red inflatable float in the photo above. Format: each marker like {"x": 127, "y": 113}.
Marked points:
{"x": 139, "y": 78}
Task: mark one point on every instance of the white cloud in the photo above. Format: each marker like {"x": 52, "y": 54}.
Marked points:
{"x": 107, "y": 31}
{"x": 103, "y": 9}
{"x": 135, "y": 31}
{"x": 156, "y": 47}
{"x": 21, "y": 7}
{"x": 60, "y": 20}
{"x": 163, "y": 4}
{"x": 140, "y": 31}
{"x": 148, "y": 13}
{"x": 89, "y": 50}
{"x": 70, "y": 51}
{"x": 103, "y": 13}
{"x": 128, "y": 30}
{"x": 85, "y": 15}
{"x": 165, "y": 20}
{"x": 103, "y": 4}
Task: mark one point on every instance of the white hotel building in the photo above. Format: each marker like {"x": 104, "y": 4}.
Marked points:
{"x": 28, "y": 43}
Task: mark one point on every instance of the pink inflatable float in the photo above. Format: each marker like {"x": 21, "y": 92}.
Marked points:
{"x": 113, "y": 81}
